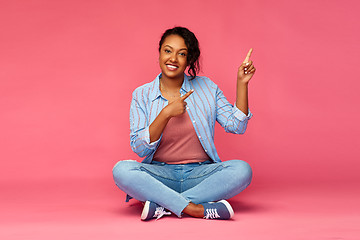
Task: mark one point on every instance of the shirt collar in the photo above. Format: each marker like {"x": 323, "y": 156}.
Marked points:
{"x": 156, "y": 93}
{"x": 186, "y": 84}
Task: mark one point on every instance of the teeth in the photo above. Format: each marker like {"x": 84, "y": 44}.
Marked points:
{"x": 171, "y": 66}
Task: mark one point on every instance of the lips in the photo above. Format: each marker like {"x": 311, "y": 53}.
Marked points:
{"x": 171, "y": 67}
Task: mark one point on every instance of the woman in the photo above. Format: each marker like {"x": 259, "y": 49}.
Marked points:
{"x": 172, "y": 123}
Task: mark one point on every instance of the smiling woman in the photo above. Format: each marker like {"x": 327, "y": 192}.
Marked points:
{"x": 173, "y": 57}
{"x": 172, "y": 123}
{"x": 189, "y": 42}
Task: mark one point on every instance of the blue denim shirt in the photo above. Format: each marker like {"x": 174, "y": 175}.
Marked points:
{"x": 205, "y": 106}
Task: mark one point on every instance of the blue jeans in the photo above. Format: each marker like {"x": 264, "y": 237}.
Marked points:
{"x": 173, "y": 186}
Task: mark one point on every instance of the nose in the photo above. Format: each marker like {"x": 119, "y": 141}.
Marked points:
{"x": 173, "y": 57}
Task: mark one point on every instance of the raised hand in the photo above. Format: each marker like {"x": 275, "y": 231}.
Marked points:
{"x": 246, "y": 69}
{"x": 177, "y": 106}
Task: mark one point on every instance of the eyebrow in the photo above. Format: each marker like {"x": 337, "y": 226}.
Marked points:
{"x": 173, "y": 48}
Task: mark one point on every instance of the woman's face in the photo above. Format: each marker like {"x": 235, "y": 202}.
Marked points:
{"x": 172, "y": 58}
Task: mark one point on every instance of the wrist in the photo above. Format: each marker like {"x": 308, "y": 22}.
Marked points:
{"x": 165, "y": 113}
{"x": 241, "y": 83}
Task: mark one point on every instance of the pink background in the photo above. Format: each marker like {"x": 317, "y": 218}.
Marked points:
{"x": 68, "y": 68}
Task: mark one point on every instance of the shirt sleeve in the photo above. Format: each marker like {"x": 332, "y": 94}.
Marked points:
{"x": 139, "y": 129}
{"x": 231, "y": 118}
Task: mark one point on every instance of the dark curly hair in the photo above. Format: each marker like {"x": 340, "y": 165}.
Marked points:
{"x": 191, "y": 43}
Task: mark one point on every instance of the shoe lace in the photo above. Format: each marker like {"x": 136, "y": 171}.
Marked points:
{"x": 211, "y": 213}
{"x": 159, "y": 212}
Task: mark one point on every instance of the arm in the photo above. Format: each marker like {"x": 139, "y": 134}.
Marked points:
{"x": 173, "y": 109}
{"x": 245, "y": 73}
{"x": 234, "y": 118}
{"x": 230, "y": 117}
{"x": 158, "y": 125}
{"x": 139, "y": 129}
{"x": 242, "y": 97}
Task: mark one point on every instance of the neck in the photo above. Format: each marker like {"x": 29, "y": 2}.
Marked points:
{"x": 172, "y": 84}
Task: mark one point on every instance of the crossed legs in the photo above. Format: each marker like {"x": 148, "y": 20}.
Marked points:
{"x": 182, "y": 188}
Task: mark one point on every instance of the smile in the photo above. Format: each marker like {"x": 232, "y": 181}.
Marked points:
{"x": 171, "y": 67}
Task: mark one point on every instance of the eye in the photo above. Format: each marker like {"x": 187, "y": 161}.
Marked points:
{"x": 183, "y": 54}
{"x": 167, "y": 51}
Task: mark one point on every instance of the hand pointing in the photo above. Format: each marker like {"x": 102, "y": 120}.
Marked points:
{"x": 178, "y": 106}
{"x": 246, "y": 69}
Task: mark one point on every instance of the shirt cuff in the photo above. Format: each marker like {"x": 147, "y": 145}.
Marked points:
{"x": 240, "y": 115}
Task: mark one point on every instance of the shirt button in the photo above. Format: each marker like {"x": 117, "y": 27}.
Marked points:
{"x": 205, "y": 150}
{"x": 199, "y": 136}
{"x": 194, "y": 121}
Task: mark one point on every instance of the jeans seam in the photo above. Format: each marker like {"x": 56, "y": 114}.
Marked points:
{"x": 211, "y": 172}
{"x": 144, "y": 169}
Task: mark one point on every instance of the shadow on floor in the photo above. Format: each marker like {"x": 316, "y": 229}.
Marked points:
{"x": 242, "y": 206}
{"x": 134, "y": 207}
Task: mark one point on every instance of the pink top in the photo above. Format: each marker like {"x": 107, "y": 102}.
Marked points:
{"x": 179, "y": 143}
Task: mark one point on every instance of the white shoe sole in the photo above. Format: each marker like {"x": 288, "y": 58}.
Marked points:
{"x": 145, "y": 211}
{"x": 228, "y": 206}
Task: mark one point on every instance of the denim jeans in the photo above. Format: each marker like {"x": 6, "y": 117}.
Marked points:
{"x": 173, "y": 186}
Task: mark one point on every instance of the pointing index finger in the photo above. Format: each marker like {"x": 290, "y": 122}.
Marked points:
{"x": 248, "y": 55}
{"x": 187, "y": 94}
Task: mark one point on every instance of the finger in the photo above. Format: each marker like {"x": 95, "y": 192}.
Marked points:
{"x": 249, "y": 68}
{"x": 251, "y": 71}
{"x": 248, "y": 64}
{"x": 187, "y": 94}
{"x": 248, "y": 55}
{"x": 245, "y": 65}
